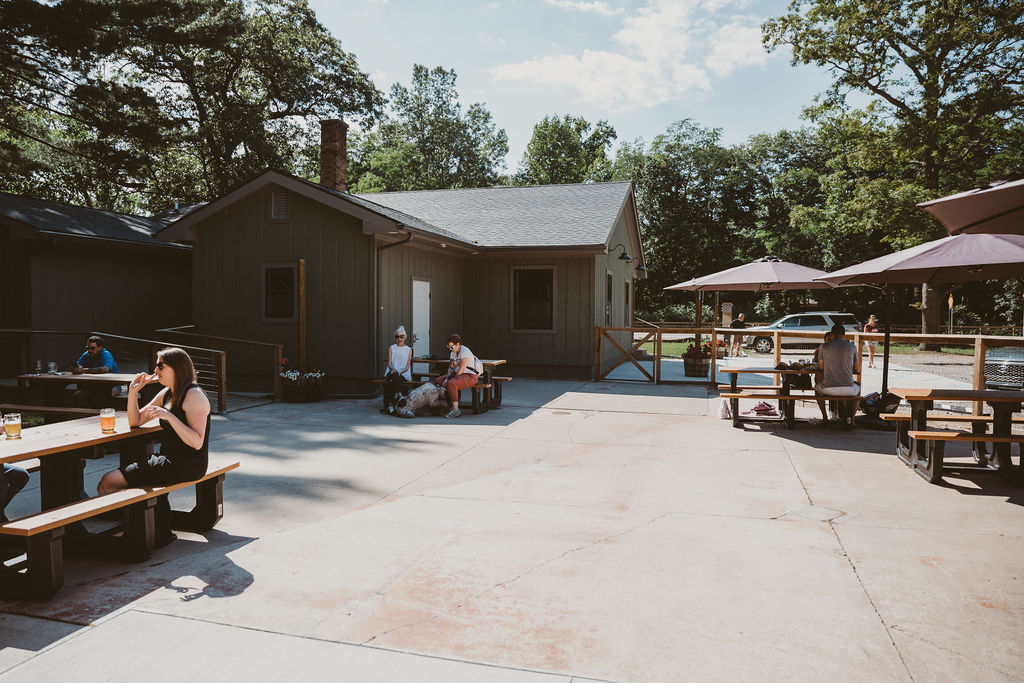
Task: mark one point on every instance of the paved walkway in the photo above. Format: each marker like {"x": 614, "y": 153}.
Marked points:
{"x": 585, "y": 531}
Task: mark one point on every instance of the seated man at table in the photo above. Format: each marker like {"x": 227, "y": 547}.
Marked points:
{"x": 95, "y": 361}
{"x": 836, "y": 358}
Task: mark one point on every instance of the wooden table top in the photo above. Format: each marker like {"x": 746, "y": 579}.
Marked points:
{"x": 446, "y": 361}
{"x": 66, "y": 436}
{"x": 83, "y": 378}
{"x": 990, "y": 395}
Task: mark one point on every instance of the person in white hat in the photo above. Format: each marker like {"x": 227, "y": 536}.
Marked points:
{"x": 399, "y": 367}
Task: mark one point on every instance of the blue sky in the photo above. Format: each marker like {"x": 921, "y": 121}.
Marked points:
{"x": 639, "y": 64}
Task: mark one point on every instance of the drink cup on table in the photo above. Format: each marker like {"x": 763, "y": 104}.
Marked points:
{"x": 12, "y": 425}
{"x": 51, "y": 366}
{"x": 107, "y": 420}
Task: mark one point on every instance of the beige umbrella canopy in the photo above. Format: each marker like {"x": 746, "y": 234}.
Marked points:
{"x": 763, "y": 275}
{"x": 997, "y": 209}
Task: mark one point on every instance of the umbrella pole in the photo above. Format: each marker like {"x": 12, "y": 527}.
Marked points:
{"x": 885, "y": 352}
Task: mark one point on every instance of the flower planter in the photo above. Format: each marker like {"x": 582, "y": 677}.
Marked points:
{"x": 293, "y": 392}
{"x": 696, "y": 367}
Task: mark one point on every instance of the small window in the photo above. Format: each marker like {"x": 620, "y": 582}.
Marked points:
{"x": 791, "y": 322}
{"x": 608, "y": 300}
{"x": 533, "y": 299}
{"x": 626, "y": 316}
{"x": 280, "y": 293}
{"x": 278, "y": 205}
{"x": 812, "y": 321}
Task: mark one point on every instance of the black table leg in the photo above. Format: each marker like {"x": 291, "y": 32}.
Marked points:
{"x": 1002, "y": 425}
{"x": 918, "y": 421}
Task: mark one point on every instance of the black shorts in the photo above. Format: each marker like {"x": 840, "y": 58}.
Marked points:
{"x": 160, "y": 470}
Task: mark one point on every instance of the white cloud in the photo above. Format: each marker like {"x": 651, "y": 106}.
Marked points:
{"x": 669, "y": 49}
{"x": 595, "y": 6}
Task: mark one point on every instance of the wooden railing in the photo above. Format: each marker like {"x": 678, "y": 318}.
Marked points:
{"x": 261, "y": 359}
{"x": 27, "y": 346}
{"x": 980, "y": 344}
{"x": 638, "y": 336}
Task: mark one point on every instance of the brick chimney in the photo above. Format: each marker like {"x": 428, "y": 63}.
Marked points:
{"x": 334, "y": 154}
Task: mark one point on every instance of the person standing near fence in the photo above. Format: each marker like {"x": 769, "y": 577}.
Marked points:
{"x": 871, "y": 326}
{"x": 736, "y": 348}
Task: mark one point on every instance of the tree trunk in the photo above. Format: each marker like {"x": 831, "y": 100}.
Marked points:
{"x": 931, "y": 305}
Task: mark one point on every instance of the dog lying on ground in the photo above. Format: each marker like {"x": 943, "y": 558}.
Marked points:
{"x": 425, "y": 399}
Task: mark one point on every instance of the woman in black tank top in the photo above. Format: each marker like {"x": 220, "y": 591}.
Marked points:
{"x": 184, "y": 413}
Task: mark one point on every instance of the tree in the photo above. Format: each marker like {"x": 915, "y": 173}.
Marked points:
{"x": 944, "y": 78}
{"x": 427, "y": 143}
{"x": 172, "y": 98}
{"x": 567, "y": 150}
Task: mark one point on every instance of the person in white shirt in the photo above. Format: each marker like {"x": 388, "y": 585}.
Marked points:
{"x": 464, "y": 370}
{"x": 399, "y": 367}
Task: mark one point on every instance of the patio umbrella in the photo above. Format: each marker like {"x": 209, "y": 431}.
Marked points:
{"x": 998, "y": 209}
{"x": 766, "y": 274}
{"x": 959, "y": 258}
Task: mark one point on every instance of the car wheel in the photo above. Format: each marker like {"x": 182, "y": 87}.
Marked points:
{"x": 763, "y": 345}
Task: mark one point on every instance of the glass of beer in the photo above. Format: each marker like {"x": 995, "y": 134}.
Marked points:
{"x": 107, "y": 420}
{"x": 12, "y": 425}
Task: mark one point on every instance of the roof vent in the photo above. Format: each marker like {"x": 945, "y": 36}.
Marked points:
{"x": 278, "y": 204}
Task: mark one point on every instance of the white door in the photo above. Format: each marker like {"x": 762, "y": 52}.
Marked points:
{"x": 421, "y": 321}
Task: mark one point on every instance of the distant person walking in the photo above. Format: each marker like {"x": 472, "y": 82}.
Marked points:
{"x": 736, "y": 348}
{"x": 871, "y": 326}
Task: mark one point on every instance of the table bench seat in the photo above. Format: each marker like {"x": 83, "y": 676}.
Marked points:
{"x": 905, "y": 417}
{"x": 968, "y": 437}
{"x": 44, "y": 532}
{"x": 846, "y": 408}
{"x": 754, "y": 387}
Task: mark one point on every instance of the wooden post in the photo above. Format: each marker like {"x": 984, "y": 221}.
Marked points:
{"x": 859, "y": 362}
{"x": 714, "y": 355}
{"x": 278, "y": 357}
{"x": 222, "y": 382}
{"x": 777, "y": 337}
{"x": 979, "y": 371}
{"x": 657, "y": 355}
{"x": 698, "y": 316}
{"x": 302, "y": 314}
{"x": 597, "y": 354}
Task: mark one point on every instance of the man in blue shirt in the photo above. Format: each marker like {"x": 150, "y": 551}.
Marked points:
{"x": 96, "y": 360}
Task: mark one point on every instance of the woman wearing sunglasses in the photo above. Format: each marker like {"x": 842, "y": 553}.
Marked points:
{"x": 184, "y": 413}
{"x": 399, "y": 368}
{"x": 464, "y": 370}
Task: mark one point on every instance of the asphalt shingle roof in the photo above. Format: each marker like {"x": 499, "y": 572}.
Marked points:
{"x": 81, "y": 221}
{"x": 532, "y": 216}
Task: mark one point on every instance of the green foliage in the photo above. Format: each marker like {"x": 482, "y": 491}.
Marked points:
{"x": 427, "y": 142}
{"x": 567, "y": 150}
{"x": 163, "y": 99}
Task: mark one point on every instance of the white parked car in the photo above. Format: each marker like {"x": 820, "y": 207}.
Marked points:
{"x": 761, "y": 339}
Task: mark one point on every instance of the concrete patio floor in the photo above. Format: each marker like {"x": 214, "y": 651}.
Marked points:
{"x": 603, "y": 531}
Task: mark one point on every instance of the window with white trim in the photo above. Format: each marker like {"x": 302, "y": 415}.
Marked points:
{"x": 533, "y": 298}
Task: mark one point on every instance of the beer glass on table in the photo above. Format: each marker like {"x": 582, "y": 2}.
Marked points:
{"x": 107, "y": 420}
{"x": 51, "y": 367}
{"x": 12, "y": 425}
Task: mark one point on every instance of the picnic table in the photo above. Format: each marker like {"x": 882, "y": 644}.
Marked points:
{"x": 923, "y": 450}
{"x": 60, "y": 446}
{"x": 486, "y": 392}
{"x": 65, "y": 378}
{"x": 786, "y": 379}
{"x": 59, "y": 449}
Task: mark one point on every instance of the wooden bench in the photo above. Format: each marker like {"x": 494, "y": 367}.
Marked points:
{"x": 979, "y": 424}
{"x": 931, "y": 468}
{"x": 44, "y": 532}
{"x": 748, "y": 387}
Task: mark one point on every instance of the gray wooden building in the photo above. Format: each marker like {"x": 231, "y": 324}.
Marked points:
{"x": 522, "y": 273}
{"x": 65, "y": 267}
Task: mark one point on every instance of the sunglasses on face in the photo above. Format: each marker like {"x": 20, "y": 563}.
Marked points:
{"x": 399, "y": 336}
{"x": 159, "y": 365}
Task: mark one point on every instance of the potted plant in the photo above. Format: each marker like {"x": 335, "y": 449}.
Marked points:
{"x": 300, "y": 386}
{"x": 720, "y": 347}
{"x": 697, "y": 361}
